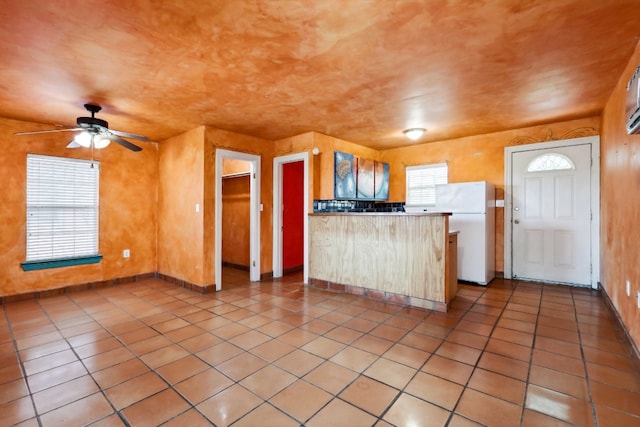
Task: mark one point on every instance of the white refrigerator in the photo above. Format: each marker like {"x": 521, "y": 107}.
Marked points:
{"x": 472, "y": 207}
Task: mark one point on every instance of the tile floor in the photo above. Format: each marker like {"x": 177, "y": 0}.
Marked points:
{"x": 278, "y": 354}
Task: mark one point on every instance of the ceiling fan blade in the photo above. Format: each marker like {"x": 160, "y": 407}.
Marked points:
{"x": 73, "y": 144}
{"x": 129, "y": 135}
{"x": 125, "y": 144}
{"x": 48, "y": 131}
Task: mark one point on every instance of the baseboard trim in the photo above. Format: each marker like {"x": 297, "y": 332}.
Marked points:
{"x": 633, "y": 348}
{"x": 236, "y": 266}
{"x": 47, "y": 293}
{"x": 201, "y": 289}
{"x": 376, "y": 295}
{"x": 294, "y": 269}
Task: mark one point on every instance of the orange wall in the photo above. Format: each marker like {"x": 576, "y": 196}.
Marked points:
{"x": 231, "y": 166}
{"x": 620, "y": 199}
{"x": 324, "y": 162}
{"x": 180, "y": 227}
{"x": 220, "y": 139}
{"x": 321, "y": 165}
{"x": 478, "y": 158}
{"x": 128, "y": 217}
{"x": 235, "y": 220}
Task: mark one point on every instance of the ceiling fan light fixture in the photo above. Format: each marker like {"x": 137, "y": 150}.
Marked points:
{"x": 414, "y": 133}
{"x": 84, "y": 139}
{"x": 100, "y": 142}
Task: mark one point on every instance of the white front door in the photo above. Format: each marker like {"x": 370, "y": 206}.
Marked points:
{"x": 551, "y": 214}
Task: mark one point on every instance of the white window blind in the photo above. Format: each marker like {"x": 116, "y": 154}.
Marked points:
{"x": 422, "y": 181}
{"x": 62, "y": 207}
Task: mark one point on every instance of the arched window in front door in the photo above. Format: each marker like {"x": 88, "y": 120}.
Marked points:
{"x": 550, "y": 162}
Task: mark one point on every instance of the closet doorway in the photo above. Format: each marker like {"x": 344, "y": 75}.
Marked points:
{"x": 236, "y": 210}
{"x": 240, "y": 160}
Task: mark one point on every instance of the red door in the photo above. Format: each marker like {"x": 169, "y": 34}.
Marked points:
{"x": 292, "y": 215}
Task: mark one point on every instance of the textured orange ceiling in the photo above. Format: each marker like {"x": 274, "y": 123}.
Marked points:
{"x": 359, "y": 70}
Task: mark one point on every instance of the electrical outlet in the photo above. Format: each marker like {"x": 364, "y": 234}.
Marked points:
{"x": 628, "y": 288}
{"x": 126, "y": 253}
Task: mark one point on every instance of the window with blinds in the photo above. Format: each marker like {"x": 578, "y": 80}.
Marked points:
{"x": 421, "y": 184}
{"x": 62, "y": 207}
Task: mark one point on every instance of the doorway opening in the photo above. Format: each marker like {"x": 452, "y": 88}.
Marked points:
{"x": 279, "y": 198}
{"x": 552, "y": 212}
{"x": 248, "y": 165}
{"x": 236, "y": 210}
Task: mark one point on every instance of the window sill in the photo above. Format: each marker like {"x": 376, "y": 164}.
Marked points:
{"x": 64, "y": 262}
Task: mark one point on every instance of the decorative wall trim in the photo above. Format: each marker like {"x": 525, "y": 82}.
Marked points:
{"x": 574, "y": 133}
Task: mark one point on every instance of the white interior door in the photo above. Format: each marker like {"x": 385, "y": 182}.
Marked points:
{"x": 551, "y": 214}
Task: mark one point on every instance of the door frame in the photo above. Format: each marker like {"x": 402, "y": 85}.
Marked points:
{"x": 278, "y": 162}
{"x": 594, "y": 142}
{"x": 254, "y": 213}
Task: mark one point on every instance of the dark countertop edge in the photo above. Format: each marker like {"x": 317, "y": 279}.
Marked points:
{"x": 379, "y": 213}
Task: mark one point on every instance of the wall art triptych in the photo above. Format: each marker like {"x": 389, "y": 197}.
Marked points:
{"x": 356, "y": 178}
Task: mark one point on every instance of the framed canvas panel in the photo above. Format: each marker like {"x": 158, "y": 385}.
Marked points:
{"x": 344, "y": 184}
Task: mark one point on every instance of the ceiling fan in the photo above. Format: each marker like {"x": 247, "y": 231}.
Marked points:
{"x": 94, "y": 132}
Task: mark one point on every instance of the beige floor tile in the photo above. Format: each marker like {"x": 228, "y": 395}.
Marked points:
{"x": 62, "y": 394}
{"x": 241, "y": 366}
{"x": 488, "y": 410}
{"x": 448, "y": 369}
{"x": 256, "y": 354}
{"x": 498, "y": 385}
{"x": 299, "y": 362}
{"x": 182, "y": 369}
{"x": 355, "y": 359}
{"x": 119, "y": 373}
{"x": 436, "y": 390}
{"x": 331, "y": 377}
{"x": 409, "y": 410}
{"x": 301, "y": 400}
{"x": 323, "y": 347}
{"x": 229, "y": 405}
{"x": 266, "y": 416}
{"x": 156, "y": 409}
{"x": 134, "y": 390}
{"x": 391, "y": 373}
{"x": 369, "y": 395}
{"x": 203, "y": 385}
{"x": 558, "y": 405}
{"x": 340, "y": 414}
{"x": 80, "y": 412}
{"x": 268, "y": 381}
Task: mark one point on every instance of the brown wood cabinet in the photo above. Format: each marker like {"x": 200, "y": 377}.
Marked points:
{"x": 399, "y": 254}
{"x": 452, "y": 271}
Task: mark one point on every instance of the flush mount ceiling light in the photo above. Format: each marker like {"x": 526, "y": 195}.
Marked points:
{"x": 414, "y": 133}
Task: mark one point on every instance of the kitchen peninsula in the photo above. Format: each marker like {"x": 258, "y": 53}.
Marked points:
{"x": 397, "y": 257}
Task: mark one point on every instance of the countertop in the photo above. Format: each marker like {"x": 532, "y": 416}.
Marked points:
{"x": 379, "y": 213}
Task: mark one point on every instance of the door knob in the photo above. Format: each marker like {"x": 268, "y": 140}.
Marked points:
{"x": 517, "y": 221}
